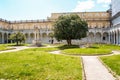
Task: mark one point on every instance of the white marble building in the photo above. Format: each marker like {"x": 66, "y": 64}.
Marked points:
{"x": 98, "y": 22}
{"x": 115, "y": 22}
{"x": 104, "y": 27}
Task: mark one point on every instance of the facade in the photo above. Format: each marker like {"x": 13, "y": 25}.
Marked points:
{"x": 98, "y": 23}
{"x": 115, "y": 24}
{"x": 26, "y": 27}
{"x": 115, "y": 7}
{"x": 104, "y": 27}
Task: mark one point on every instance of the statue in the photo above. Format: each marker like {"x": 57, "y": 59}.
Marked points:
{"x": 36, "y": 41}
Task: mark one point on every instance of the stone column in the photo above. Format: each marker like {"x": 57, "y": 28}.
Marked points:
{"x": 2, "y": 37}
{"x": 94, "y": 37}
{"x": 118, "y": 36}
{"x": 35, "y": 35}
{"x": 7, "y": 38}
{"x": 41, "y": 36}
{"x": 29, "y": 38}
{"x": 38, "y": 36}
{"x": 101, "y": 38}
{"x": 114, "y": 37}
{"x": 109, "y": 37}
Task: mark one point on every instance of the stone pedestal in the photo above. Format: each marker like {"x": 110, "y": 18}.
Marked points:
{"x": 36, "y": 43}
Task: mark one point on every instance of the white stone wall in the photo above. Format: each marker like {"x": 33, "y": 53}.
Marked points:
{"x": 116, "y": 21}
{"x": 115, "y": 7}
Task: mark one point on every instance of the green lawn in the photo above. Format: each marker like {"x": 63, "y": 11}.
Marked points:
{"x": 95, "y": 49}
{"x": 113, "y": 62}
{"x": 43, "y": 49}
{"x": 8, "y": 46}
{"x": 37, "y": 64}
{"x": 5, "y": 47}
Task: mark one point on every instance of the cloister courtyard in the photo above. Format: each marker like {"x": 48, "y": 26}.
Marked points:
{"x": 60, "y": 62}
{"x": 60, "y": 40}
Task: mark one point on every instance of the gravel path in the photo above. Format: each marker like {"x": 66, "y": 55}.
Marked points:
{"x": 95, "y": 70}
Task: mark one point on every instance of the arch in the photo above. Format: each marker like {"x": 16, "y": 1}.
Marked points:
{"x": 91, "y": 37}
{"x": 26, "y": 35}
{"x": 105, "y": 37}
{"x": 44, "y": 34}
{"x": 9, "y": 35}
{"x": 39, "y": 35}
{"x": 32, "y": 35}
{"x": 115, "y": 38}
{"x": 9, "y": 41}
{"x": 118, "y": 36}
{"x": 51, "y": 34}
{"x": 112, "y": 37}
{"x": 98, "y": 37}
{"x": 5, "y": 37}
{"x": 91, "y": 34}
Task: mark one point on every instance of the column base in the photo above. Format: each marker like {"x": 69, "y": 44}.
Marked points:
{"x": 37, "y": 43}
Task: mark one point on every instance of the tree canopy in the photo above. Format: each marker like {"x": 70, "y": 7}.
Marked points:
{"x": 70, "y": 27}
{"x": 18, "y": 37}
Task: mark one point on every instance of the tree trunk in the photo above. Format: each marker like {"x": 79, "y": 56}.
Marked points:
{"x": 17, "y": 43}
{"x": 20, "y": 42}
{"x": 69, "y": 42}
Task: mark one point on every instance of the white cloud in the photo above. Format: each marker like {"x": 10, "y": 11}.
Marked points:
{"x": 103, "y": 1}
{"x": 84, "y": 5}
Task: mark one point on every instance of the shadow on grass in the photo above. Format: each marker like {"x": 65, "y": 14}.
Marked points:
{"x": 17, "y": 45}
{"x": 74, "y": 46}
{"x": 93, "y": 47}
{"x": 68, "y": 47}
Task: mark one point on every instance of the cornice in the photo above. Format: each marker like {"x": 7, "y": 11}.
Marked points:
{"x": 116, "y": 15}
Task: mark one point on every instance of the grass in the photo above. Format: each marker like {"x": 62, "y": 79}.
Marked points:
{"x": 62, "y": 47}
{"x": 43, "y": 49}
{"x": 87, "y": 51}
{"x": 113, "y": 62}
{"x": 96, "y": 49}
{"x": 4, "y": 47}
{"x": 14, "y": 44}
{"x": 37, "y": 64}
{"x": 8, "y": 46}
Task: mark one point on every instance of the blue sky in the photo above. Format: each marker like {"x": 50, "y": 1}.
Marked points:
{"x": 40, "y": 9}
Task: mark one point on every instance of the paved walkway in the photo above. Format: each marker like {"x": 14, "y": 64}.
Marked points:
{"x": 17, "y": 48}
{"x": 95, "y": 70}
{"x": 55, "y": 52}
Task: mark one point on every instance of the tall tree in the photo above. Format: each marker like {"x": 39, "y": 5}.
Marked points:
{"x": 18, "y": 37}
{"x": 70, "y": 27}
